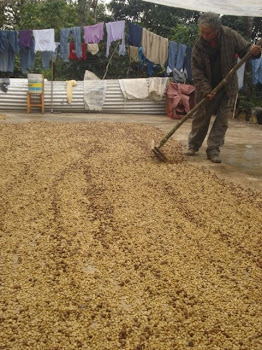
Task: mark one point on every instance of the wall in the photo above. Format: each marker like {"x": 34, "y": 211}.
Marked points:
{"x": 16, "y": 99}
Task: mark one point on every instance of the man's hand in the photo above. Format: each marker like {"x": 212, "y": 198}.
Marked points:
{"x": 210, "y": 96}
{"x": 255, "y": 50}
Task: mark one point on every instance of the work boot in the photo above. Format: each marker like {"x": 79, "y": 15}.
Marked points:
{"x": 190, "y": 152}
{"x": 214, "y": 158}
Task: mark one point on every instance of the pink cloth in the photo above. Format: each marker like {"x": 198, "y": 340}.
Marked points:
{"x": 180, "y": 99}
{"x": 116, "y": 31}
{"x": 94, "y": 34}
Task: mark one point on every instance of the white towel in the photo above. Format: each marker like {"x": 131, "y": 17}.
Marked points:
{"x": 94, "y": 94}
{"x": 44, "y": 40}
{"x": 134, "y": 88}
{"x": 157, "y": 88}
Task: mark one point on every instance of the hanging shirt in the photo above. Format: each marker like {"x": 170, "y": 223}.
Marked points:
{"x": 72, "y": 52}
{"x": 44, "y": 40}
{"x": 26, "y": 38}
{"x": 94, "y": 34}
{"x": 135, "y": 34}
{"x": 116, "y": 31}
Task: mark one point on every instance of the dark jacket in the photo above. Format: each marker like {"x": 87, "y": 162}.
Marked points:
{"x": 231, "y": 43}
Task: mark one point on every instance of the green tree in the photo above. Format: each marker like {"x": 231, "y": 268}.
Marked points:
{"x": 156, "y": 18}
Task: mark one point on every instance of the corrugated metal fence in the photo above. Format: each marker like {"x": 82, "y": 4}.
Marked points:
{"x": 16, "y": 99}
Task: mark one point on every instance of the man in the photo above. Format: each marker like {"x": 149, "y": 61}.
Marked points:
{"x": 213, "y": 56}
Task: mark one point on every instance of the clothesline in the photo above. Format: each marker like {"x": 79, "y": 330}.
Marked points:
{"x": 156, "y": 49}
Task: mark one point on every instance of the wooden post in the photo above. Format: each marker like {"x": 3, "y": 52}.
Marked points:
{"x": 52, "y": 79}
{"x": 110, "y": 59}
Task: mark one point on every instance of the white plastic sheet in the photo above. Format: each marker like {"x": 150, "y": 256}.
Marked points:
{"x": 251, "y": 8}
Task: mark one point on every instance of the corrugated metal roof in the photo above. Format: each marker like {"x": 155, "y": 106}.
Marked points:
{"x": 16, "y": 99}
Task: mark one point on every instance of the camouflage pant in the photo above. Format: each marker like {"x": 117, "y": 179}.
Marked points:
{"x": 219, "y": 107}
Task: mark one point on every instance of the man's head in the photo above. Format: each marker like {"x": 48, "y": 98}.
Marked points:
{"x": 209, "y": 25}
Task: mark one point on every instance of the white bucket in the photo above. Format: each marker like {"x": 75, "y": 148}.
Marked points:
{"x": 35, "y": 83}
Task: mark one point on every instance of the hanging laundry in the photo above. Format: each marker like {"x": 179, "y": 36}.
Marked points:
{"x": 172, "y": 55}
{"x": 48, "y": 57}
{"x": 94, "y": 34}
{"x": 134, "y": 88}
{"x": 116, "y": 31}
{"x": 157, "y": 88}
{"x": 240, "y": 74}
{"x": 64, "y": 47}
{"x": 8, "y": 48}
{"x": 155, "y": 47}
{"x": 145, "y": 61}
{"x": 135, "y": 34}
{"x": 93, "y": 48}
{"x": 72, "y": 52}
{"x": 180, "y": 99}
{"x": 27, "y": 50}
{"x": 180, "y": 56}
{"x": 179, "y": 76}
{"x": 257, "y": 71}
{"x": 133, "y": 53}
{"x": 69, "y": 87}
{"x": 94, "y": 94}
{"x": 44, "y": 40}
{"x": 27, "y": 58}
{"x": 26, "y": 38}
{"x": 90, "y": 76}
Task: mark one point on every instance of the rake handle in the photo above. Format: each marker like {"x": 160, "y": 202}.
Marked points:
{"x": 223, "y": 82}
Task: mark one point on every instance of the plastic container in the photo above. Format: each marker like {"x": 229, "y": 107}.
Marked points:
{"x": 35, "y": 83}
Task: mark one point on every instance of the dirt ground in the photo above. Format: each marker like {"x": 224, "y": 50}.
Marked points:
{"x": 104, "y": 247}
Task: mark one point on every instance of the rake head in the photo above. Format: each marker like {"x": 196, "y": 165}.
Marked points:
{"x": 157, "y": 152}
